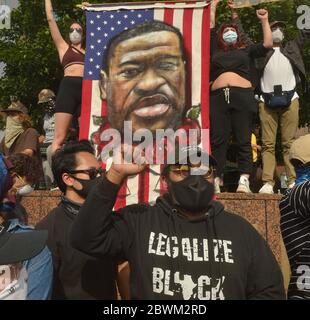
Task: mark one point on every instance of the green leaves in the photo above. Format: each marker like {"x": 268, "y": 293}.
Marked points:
{"x": 30, "y": 57}
{"x": 32, "y": 61}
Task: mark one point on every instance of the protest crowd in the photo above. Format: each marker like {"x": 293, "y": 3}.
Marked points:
{"x": 184, "y": 244}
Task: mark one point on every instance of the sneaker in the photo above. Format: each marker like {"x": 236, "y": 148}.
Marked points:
{"x": 266, "y": 188}
{"x": 217, "y": 183}
{"x": 244, "y": 185}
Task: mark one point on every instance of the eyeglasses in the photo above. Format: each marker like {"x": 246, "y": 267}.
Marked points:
{"x": 92, "y": 172}
{"x": 79, "y": 30}
{"x": 186, "y": 170}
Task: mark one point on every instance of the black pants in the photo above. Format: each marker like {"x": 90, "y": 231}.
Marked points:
{"x": 232, "y": 110}
{"x": 69, "y": 98}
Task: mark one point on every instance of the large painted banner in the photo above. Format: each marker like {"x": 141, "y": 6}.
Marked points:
{"x": 250, "y": 3}
{"x": 154, "y": 72}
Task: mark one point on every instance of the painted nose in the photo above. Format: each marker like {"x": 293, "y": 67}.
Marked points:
{"x": 150, "y": 81}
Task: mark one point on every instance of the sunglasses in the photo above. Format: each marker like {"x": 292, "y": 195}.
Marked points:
{"x": 93, "y": 173}
{"x": 186, "y": 170}
{"x": 79, "y": 30}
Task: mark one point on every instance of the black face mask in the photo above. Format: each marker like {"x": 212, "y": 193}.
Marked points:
{"x": 87, "y": 185}
{"x": 49, "y": 107}
{"x": 193, "y": 194}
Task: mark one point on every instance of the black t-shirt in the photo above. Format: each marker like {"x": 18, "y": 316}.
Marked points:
{"x": 235, "y": 60}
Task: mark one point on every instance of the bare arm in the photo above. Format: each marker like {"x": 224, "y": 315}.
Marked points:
{"x": 235, "y": 19}
{"x": 60, "y": 43}
{"x": 213, "y": 13}
{"x": 262, "y": 14}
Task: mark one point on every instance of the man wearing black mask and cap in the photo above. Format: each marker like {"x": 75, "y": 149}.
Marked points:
{"x": 186, "y": 246}
{"x": 76, "y": 275}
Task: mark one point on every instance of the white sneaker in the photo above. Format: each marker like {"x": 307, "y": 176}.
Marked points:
{"x": 266, "y": 188}
{"x": 244, "y": 185}
{"x": 217, "y": 183}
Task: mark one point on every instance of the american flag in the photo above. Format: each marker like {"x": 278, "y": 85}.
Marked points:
{"x": 106, "y": 21}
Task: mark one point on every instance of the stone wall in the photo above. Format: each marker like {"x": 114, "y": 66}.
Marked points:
{"x": 261, "y": 211}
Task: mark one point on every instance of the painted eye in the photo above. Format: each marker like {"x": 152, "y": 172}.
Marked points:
{"x": 167, "y": 65}
{"x": 130, "y": 73}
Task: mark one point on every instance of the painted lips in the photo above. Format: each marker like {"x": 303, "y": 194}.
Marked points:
{"x": 153, "y": 106}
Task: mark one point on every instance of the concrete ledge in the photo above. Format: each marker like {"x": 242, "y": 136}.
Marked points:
{"x": 260, "y": 210}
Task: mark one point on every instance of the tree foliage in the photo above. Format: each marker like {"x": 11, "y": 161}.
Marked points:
{"x": 30, "y": 57}
{"x": 32, "y": 61}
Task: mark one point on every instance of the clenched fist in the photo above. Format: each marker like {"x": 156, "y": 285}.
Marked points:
{"x": 262, "y": 14}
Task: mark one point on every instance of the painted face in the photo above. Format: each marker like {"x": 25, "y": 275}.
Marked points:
{"x": 146, "y": 82}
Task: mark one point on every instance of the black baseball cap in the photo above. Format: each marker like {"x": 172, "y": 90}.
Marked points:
{"x": 17, "y": 247}
{"x": 280, "y": 24}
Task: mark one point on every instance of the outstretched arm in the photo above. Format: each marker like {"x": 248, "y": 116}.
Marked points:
{"x": 262, "y": 15}
{"x": 60, "y": 43}
{"x": 214, "y": 4}
{"x": 213, "y": 40}
{"x": 235, "y": 19}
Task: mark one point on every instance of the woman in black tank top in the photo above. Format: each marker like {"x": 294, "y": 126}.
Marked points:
{"x": 71, "y": 55}
{"x": 232, "y": 102}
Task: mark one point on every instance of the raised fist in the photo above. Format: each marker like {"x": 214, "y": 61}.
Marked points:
{"x": 231, "y": 4}
{"x": 262, "y": 14}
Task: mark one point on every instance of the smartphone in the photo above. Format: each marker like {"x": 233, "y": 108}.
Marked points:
{"x": 277, "y": 89}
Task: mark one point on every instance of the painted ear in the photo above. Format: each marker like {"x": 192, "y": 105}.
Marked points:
{"x": 103, "y": 84}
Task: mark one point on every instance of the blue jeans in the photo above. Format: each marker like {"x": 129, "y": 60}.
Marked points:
{"x": 39, "y": 268}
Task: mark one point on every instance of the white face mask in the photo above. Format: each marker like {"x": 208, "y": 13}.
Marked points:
{"x": 277, "y": 35}
{"x": 75, "y": 37}
{"x": 14, "y": 289}
{"x": 25, "y": 190}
